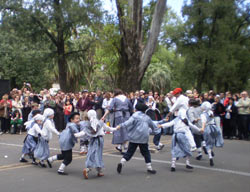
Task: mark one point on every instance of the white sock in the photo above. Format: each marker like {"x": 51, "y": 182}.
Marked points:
{"x": 23, "y": 155}
{"x": 123, "y": 161}
{"x": 203, "y": 143}
{"x": 160, "y": 144}
{"x": 187, "y": 161}
{"x": 199, "y": 150}
{"x": 149, "y": 166}
{"x": 119, "y": 146}
{"x": 125, "y": 146}
{"x": 173, "y": 162}
{"x": 210, "y": 154}
{"x": 62, "y": 167}
{"x": 53, "y": 158}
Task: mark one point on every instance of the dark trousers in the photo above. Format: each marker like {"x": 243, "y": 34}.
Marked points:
{"x": 143, "y": 149}
{"x": 5, "y": 124}
{"x": 243, "y": 126}
{"x": 197, "y": 140}
{"x": 66, "y": 156}
{"x": 229, "y": 129}
{"x": 156, "y": 139}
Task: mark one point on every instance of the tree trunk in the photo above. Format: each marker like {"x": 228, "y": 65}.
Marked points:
{"x": 135, "y": 57}
{"x": 62, "y": 63}
{"x": 62, "y": 68}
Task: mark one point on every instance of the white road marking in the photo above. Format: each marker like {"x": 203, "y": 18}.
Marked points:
{"x": 195, "y": 166}
{"x": 157, "y": 161}
{"x": 16, "y": 145}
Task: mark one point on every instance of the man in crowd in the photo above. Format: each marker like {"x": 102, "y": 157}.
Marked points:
{"x": 244, "y": 114}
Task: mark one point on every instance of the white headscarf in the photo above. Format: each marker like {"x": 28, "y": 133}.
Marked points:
{"x": 207, "y": 107}
{"x": 94, "y": 122}
{"x": 48, "y": 112}
{"x": 39, "y": 117}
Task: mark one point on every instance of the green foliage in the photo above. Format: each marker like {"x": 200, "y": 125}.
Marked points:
{"x": 160, "y": 73}
{"x": 23, "y": 61}
{"x": 212, "y": 43}
{"x": 208, "y": 49}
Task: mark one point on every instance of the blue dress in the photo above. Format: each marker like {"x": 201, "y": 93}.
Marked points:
{"x": 180, "y": 145}
{"x": 96, "y": 143}
{"x": 42, "y": 149}
{"x": 121, "y": 110}
{"x": 212, "y": 134}
{"x": 30, "y": 143}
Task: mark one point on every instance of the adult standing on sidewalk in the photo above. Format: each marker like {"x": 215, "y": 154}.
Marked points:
{"x": 244, "y": 113}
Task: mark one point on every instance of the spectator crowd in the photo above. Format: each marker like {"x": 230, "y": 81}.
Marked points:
{"x": 231, "y": 111}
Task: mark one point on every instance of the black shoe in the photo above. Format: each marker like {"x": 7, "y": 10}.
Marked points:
{"x": 22, "y": 160}
{"x": 49, "y": 164}
{"x": 34, "y": 163}
{"x": 62, "y": 173}
{"x": 189, "y": 167}
{"x": 177, "y": 158}
{"x": 211, "y": 162}
{"x": 119, "y": 168}
{"x": 120, "y": 150}
{"x": 151, "y": 171}
{"x": 199, "y": 157}
{"x": 42, "y": 165}
{"x": 205, "y": 150}
{"x": 172, "y": 169}
{"x": 212, "y": 153}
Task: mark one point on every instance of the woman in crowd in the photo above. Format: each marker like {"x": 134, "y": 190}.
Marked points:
{"x": 229, "y": 129}
{"x": 122, "y": 108}
{"x": 5, "y": 113}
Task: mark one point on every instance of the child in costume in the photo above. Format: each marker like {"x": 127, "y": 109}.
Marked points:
{"x": 95, "y": 130}
{"x": 138, "y": 134}
{"x": 212, "y": 134}
{"x": 42, "y": 151}
{"x": 180, "y": 143}
{"x": 67, "y": 140}
{"x": 31, "y": 139}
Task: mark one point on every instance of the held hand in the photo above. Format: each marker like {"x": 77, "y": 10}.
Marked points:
{"x": 202, "y": 130}
{"x": 103, "y": 118}
{"x": 118, "y": 127}
{"x": 159, "y": 126}
{"x": 169, "y": 114}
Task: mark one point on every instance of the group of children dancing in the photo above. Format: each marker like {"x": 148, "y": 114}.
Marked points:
{"x": 194, "y": 128}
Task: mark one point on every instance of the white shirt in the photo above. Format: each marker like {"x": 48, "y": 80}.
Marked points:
{"x": 170, "y": 101}
{"x": 181, "y": 102}
{"x": 48, "y": 129}
{"x": 17, "y": 106}
{"x": 35, "y": 130}
{"x": 205, "y": 120}
{"x": 106, "y": 103}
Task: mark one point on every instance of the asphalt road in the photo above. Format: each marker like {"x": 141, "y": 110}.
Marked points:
{"x": 231, "y": 172}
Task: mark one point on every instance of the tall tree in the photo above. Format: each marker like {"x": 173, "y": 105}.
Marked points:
{"x": 58, "y": 20}
{"x": 135, "y": 54}
{"x": 212, "y": 42}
